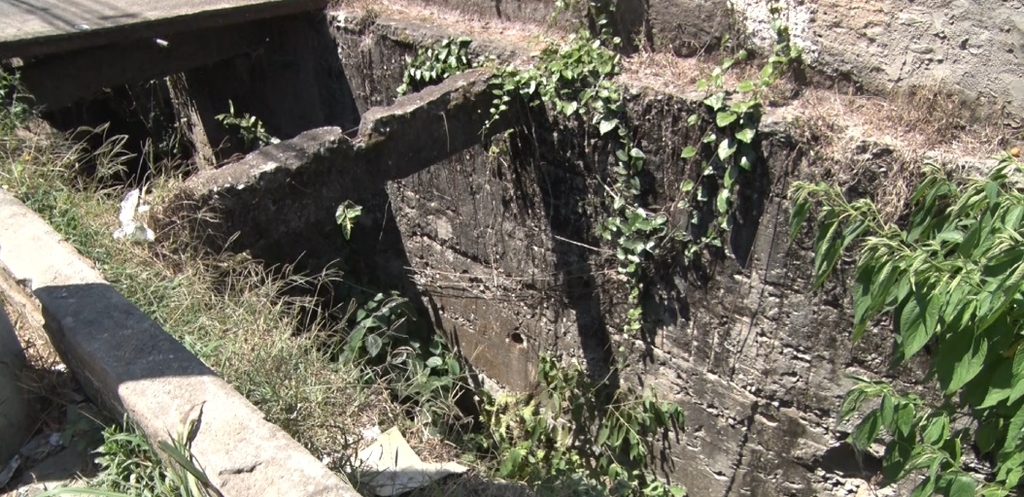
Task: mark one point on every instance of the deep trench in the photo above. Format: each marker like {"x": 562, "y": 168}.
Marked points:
{"x": 297, "y": 82}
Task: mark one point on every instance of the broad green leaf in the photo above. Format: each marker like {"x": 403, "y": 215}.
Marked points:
{"x": 725, "y": 118}
{"x": 1000, "y": 385}
{"x": 797, "y": 216}
{"x": 937, "y": 430}
{"x": 914, "y": 335}
{"x": 960, "y": 359}
{"x": 827, "y": 250}
{"x": 608, "y": 125}
{"x": 854, "y": 398}
{"x": 866, "y": 431}
{"x": 924, "y": 489}
{"x": 745, "y": 86}
{"x": 963, "y": 486}
{"x": 988, "y": 434}
{"x": 746, "y": 135}
{"x": 1017, "y": 373}
{"x": 689, "y": 152}
{"x": 888, "y": 413}
{"x": 904, "y": 418}
{"x": 726, "y": 148}
{"x": 897, "y": 455}
{"x": 602, "y": 434}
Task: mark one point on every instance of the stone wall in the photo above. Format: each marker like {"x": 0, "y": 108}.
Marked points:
{"x": 499, "y": 250}
{"x": 503, "y": 250}
{"x": 969, "y": 48}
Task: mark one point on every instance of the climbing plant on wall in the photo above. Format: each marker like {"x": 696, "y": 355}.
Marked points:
{"x": 730, "y": 117}
{"x": 952, "y": 281}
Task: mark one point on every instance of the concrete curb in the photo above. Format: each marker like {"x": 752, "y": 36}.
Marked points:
{"x": 130, "y": 365}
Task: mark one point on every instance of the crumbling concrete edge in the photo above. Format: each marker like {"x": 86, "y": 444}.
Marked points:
{"x": 129, "y": 365}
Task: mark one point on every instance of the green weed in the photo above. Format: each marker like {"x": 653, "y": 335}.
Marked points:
{"x": 952, "y": 280}
{"x": 434, "y": 64}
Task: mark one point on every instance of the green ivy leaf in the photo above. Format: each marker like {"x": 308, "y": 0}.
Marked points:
{"x": 745, "y": 86}
{"x": 725, "y": 118}
{"x": 373, "y": 345}
{"x": 723, "y": 200}
{"x": 726, "y": 148}
{"x": 746, "y": 135}
{"x": 608, "y": 125}
{"x": 715, "y": 101}
{"x": 689, "y": 152}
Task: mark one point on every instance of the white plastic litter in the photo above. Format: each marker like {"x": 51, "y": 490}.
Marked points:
{"x": 393, "y": 468}
{"x": 133, "y": 219}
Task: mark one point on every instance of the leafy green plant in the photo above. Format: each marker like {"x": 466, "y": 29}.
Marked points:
{"x": 250, "y": 128}
{"x": 563, "y": 433}
{"x": 437, "y": 63}
{"x": 952, "y": 280}
{"x": 728, "y": 144}
{"x": 346, "y": 215}
{"x": 130, "y": 467}
{"x": 15, "y": 108}
{"x": 576, "y": 80}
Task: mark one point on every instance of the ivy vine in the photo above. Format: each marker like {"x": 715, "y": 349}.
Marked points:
{"x": 731, "y": 119}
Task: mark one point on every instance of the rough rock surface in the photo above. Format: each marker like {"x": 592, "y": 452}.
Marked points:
{"x": 973, "y": 48}
{"x": 963, "y": 47}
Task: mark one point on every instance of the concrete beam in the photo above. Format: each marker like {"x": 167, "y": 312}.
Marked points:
{"x": 62, "y": 79}
{"x": 30, "y": 28}
{"x": 129, "y": 364}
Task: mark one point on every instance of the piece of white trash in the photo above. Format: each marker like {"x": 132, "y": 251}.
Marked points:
{"x": 133, "y": 219}
{"x": 391, "y": 467}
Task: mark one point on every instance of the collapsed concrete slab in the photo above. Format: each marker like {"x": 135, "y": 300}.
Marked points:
{"x": 130, "y": 365}
{"x": 284, "y": 196}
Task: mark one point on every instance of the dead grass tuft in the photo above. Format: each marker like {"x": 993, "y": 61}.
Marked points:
{"x": 238, "y": 316}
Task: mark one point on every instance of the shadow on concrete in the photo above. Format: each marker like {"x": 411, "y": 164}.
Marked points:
{"x": 539, "y": 153}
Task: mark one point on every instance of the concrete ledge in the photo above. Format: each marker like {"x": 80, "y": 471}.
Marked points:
{"x": 129, "y": 364}
{"x": 40, "y": 27}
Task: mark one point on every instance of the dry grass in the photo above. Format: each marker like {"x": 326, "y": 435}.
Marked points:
{"x": 232, "y": 312}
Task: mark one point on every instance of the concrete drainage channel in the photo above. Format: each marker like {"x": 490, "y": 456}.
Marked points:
{"x": 498, "y": 254}
{"x": 129, "y": 365}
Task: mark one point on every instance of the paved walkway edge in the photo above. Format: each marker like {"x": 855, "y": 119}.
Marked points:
{"x": 130, "y": 365}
